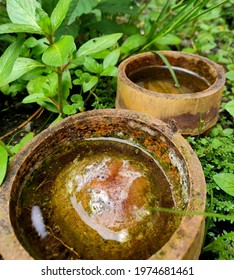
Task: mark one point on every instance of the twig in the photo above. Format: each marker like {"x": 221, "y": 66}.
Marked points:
{"x": 64, "y": 244}
{"x": 37, "y": 113}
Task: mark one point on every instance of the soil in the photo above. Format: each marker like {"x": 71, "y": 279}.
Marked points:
{"x": 17, "y": 119}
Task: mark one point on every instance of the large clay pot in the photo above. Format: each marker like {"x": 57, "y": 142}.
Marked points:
{"x": 54, "y": 204}
{"x": 194, "y": 113}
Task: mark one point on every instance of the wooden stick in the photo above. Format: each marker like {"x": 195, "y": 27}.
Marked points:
{"x": 36, "y": 114}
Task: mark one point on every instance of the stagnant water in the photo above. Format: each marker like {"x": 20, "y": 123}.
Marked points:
{"x": 159, "y": 79}
{"x": 96, "y": 202}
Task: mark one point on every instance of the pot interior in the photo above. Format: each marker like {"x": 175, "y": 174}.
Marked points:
{"x": 90, "y": 189}
{"x": 150, "y": 72}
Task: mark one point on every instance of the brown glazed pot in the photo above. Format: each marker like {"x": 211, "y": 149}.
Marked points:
{"x": 189, "y": 109}
{"x": 168, "y": 148}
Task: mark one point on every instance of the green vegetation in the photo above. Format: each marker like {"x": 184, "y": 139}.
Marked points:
{"x": 62, "y": 56}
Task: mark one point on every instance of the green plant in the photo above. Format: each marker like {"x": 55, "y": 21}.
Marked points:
{"x": 160, "y": 20}
{"x": 7, "y": 151}
{"x": 225, "y": 181}
{"x": 222, "y": 245}
{"x": 214, "y": 38}
{"x": 47, "y": 63}
{"x": 230, "y": 107}
{"x": 144, "y": 24}
{"x": 216, "y": 153}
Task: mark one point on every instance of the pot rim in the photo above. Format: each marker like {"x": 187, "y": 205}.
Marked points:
{"x": 217, "y": 85}
{"x": 8, "y": 240}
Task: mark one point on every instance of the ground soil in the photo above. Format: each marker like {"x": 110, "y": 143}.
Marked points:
{"x": 17, "y": 119}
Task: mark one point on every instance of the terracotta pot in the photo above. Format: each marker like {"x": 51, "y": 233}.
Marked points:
{"x": 43, "y": 202}
{"x": 194, "y": 113}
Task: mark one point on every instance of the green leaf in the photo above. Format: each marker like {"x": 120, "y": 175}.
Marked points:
{"x": 44, "y": 84}
{"x": 92, "y": 65}
{"x": 59, "y": 13}
{"x": 22, "y": 142}
{"x": 164, "y": 59}
{"x": 23, "y": 11}
{"x": 18, "y": 28}
{"x": 45, "y": 25}
{"x": 226, "y": 182}
{"x": 87, "y": 81}
{"x": 227, "y": 132}
{"x": 90, "y": 84}
{"x": 31, "y": 42}
{"x": 12, "y": 89}
{"x": 58, "y": 53}
{"x": 169, "y": 39}
{"x": 76, "y": 98}
{"x": 217, "y": 245}
{"x": 79, "y": 105}
{"x": 48, "y": 105}
{"x": 188, "y": 50}
{"x": 230, "y": 107}
{"x": 80, "y": 8}
{"x": 230, "y": 67}
{"x": 35, "y": 97}
{"x": 21, "y": 67}
{"x": 41, "y": 99}
{"x": 133, "y": 42}
{"x": 215, "y": 143}
{"x": 8, "y": 59}
{"x": 69, "y": 109}
{"x": 111, "y": 59}
{"x": 110, "y": 71}
{"x": 3, "y": 163}
{"x": 40, "y": 48}
{"x": 98, "y": 44}
{"x": 230, "y": 75}
{"x": 78, "y": 72}
{"x": 100, "y": 55}
{"x": 78, "y": 61}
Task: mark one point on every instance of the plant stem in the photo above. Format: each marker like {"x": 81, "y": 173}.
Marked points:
{"x": 50, "y": 39}
{"x": 194, "y": 213}
{"x": 151, "y": 36}
{"x": 60, "y": 93}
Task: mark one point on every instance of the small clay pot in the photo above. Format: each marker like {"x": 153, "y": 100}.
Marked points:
{"x": 44, "y": 182}
{"x": 194, "y": 113}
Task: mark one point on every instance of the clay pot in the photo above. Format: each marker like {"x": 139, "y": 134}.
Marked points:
{"x": 56, "y": 205}
{"x": 194, "y": 113}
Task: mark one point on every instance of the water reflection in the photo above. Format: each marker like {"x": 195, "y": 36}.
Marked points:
{"x": 38, "y": 221}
